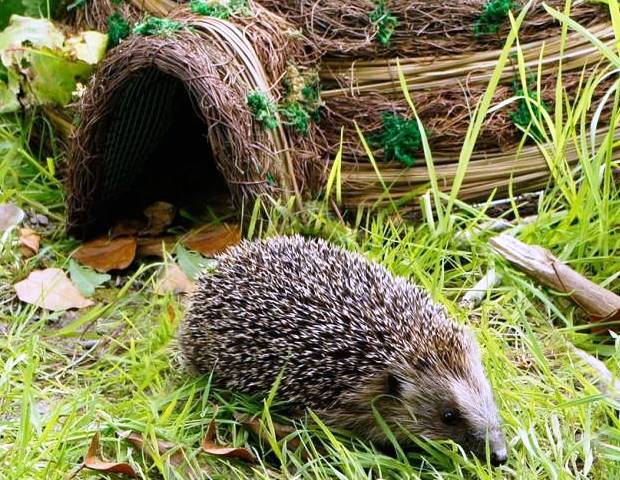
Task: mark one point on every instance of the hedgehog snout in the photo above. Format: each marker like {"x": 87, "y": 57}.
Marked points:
{"x": 497, "y": 447}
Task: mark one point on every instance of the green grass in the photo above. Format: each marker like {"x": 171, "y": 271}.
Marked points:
{"x": 114, "y": 367}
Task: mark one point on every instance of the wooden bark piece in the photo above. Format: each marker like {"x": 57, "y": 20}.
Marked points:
{"x": 541, "y": 264}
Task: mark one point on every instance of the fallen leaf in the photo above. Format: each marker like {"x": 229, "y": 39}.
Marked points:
{"x": 192, "y": 263}
{"x": 174, "y": 280}
{"x": 104, "y": 254}
{"x": 154, "y": 247}
{"x": 281, "y": 431}
{"x": 160, "y": 216}
{"x": 85, "y": 279}
{"x": 211, "y": 241}
{"x": 163, "y": 448}
{"x": 10, "y": 215}
{"x": 94, "y": 462}
{"x": 29, "y": 242}
{"x": 52, "y": 290}
{"x": 127, "y": 227}
{"x": 209, "y": 446}
{"x": 90, "y": 47}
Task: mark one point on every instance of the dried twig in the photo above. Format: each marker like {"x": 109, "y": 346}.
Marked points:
{"x": 598, "y": 302}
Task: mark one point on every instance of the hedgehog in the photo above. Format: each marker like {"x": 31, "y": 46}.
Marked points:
{"x": 344, "y": 338}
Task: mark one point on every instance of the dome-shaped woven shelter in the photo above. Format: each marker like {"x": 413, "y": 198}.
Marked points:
{"x": 167, "y": 116}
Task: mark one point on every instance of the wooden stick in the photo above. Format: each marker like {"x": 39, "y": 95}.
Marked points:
{"x": 541, "y": 264}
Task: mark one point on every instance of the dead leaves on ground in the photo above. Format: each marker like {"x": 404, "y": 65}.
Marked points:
{"x": 93, "y": 461}
{"x": 280, "y": 431}
{"x": 163, "y": 448}
{"x": 211, "y": 241}
{"x": 52, "y": 290}
{"x": 10, "y": 216}
{"x": 209, "y": 445}
{"x": 104, "y": 254}
{"x": 173, "y": 280}
{"x": 160, "y": 216}
{"x": 146, "y": 238}
{"x": 156, "y": 448}
{"x": 29, "y": 242}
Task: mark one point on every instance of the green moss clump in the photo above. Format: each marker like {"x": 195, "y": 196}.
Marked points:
{"x": 522, "y": 116}
{"x": 297, "y": 117}
{"x": 384, "y": 22}
{"x": 218, "y": 9}
{"x": 302, "y": 103}
{"x": 493, "y": 16}
{"x": 153, "y": 26}
{"x": 400, "y": 138}
{"x": 263, "y": 109}
{"x": 118, "y": 28}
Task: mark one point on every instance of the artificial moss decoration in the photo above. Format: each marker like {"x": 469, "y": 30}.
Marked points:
{"x": 494, "y": 15}
{"x": 220, "y": 9}
{"x": 152, "y": 26}
{"x": 303, "y": 99}
{"x": 263, "y": 109}
{"x": 522, "y": 116}
{"x": 384, "y": 22}
{"x": 118, "y": 28}
{"x": 297, "y": 117}
{"x": 400, "y": 138}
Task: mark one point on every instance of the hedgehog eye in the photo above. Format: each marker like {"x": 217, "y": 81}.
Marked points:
{"x": 450, "y": 416}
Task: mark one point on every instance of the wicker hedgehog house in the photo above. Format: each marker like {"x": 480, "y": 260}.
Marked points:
{"x": 184, "y": 96}
{"x": 166, "y": 117}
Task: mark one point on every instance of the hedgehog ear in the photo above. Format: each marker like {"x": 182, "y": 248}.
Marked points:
{"x": 393, "y": 386}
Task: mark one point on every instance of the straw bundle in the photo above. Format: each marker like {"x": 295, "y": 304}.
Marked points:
{"x": 445, "y": 90}
{"x": 156, "y": 98}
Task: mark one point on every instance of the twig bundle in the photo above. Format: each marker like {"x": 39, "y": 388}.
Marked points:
{"x": 344, "y": 28}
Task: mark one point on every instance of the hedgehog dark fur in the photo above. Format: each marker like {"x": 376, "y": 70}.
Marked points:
{"x": 346, "y": 335}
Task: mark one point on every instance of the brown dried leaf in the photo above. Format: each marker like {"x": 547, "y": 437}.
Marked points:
{"x": 105, "y": 254}
{"x": 213, "y": 240}
{"x": 163, "y": 447}
{"x": 209, "y": 446}
{"x": 10, "y": 215}
{"x": 154, "y": 247}
{"x": 29, "y": 242}
{"x": 127, "y": 227}
{"x": 281, "y": 431}
{"x": 174, "y": 280}
{"x": 52, "y": 290}
{"x": 94, "y": 462}
{"x": 160, "y": 216}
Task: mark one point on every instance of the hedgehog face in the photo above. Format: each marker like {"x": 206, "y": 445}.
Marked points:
{"x": 440, "y": 399}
